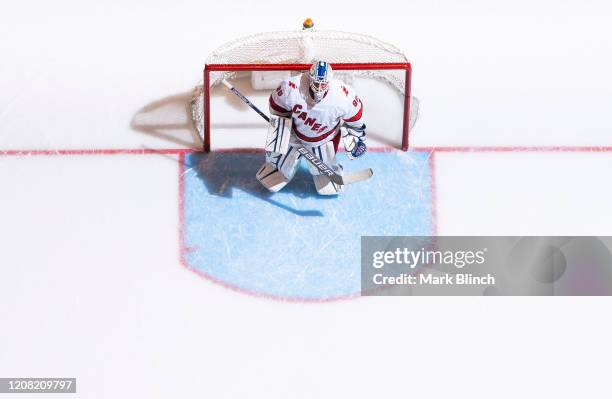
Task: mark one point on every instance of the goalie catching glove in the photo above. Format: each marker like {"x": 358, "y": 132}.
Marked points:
{"x": 354, "y": 141}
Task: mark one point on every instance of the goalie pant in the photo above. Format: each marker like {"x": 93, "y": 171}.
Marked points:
{"x": 279, "y": 169}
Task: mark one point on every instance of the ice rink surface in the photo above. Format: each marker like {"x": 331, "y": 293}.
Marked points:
{"x": 106, "y": 211}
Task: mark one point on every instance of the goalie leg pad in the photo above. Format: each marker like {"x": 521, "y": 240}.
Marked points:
{"x": 279, "y": 135}
{"x": 327, "y": 154}
{"x": 279, "y": 169}
{"x": 325, "y": 186}
{"x": 271, "y": 178}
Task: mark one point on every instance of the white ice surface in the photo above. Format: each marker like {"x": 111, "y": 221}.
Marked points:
{"x": 524, "y": 193}
{"x": 90, "y": 283}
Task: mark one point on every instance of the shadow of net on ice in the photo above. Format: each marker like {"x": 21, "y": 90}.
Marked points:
{"x": 224, "y": 172}
{"x": 168, "y": 119}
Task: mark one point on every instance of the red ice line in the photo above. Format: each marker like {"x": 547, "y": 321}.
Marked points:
{"x": 118, "y": 151}
{"x": 181, "y": 191}
{"x": 178, "y": 151}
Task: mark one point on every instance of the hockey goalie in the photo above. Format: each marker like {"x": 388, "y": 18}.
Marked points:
{"x": 315, "y": 111}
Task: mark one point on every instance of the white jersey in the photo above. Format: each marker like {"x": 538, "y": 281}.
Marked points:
{"x": 315, "y": 124}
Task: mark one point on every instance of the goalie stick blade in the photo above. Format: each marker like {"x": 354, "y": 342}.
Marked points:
{"x": 358, "y": 176}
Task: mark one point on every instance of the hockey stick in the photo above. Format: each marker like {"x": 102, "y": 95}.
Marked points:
{"x": 310, "y": 157}
{"x": 358, "y": 176}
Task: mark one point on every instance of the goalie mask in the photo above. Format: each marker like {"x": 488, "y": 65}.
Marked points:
{"x": 320, "y": 74}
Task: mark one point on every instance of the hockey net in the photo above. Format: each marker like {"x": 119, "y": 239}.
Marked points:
{"x": 354, "y": 57}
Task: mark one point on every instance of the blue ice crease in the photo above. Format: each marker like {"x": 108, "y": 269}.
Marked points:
{"x": 295, "y": 243}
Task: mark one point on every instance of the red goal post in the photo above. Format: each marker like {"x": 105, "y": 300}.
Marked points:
{"x": 404, "y": 68}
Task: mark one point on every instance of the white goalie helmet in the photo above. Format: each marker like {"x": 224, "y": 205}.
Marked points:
{"x": 320, "y": 75}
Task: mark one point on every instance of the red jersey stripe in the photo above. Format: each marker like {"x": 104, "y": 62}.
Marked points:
{"x": 357, "y": 115}
{"x": 277, "y": 107}
{"x": 314, "y": 139}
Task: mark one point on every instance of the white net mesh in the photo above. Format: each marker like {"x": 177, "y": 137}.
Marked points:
{"x": 305, "y": 47}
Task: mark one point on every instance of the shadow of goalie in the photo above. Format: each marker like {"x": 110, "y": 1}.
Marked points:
{"x": 225, "y": 171}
